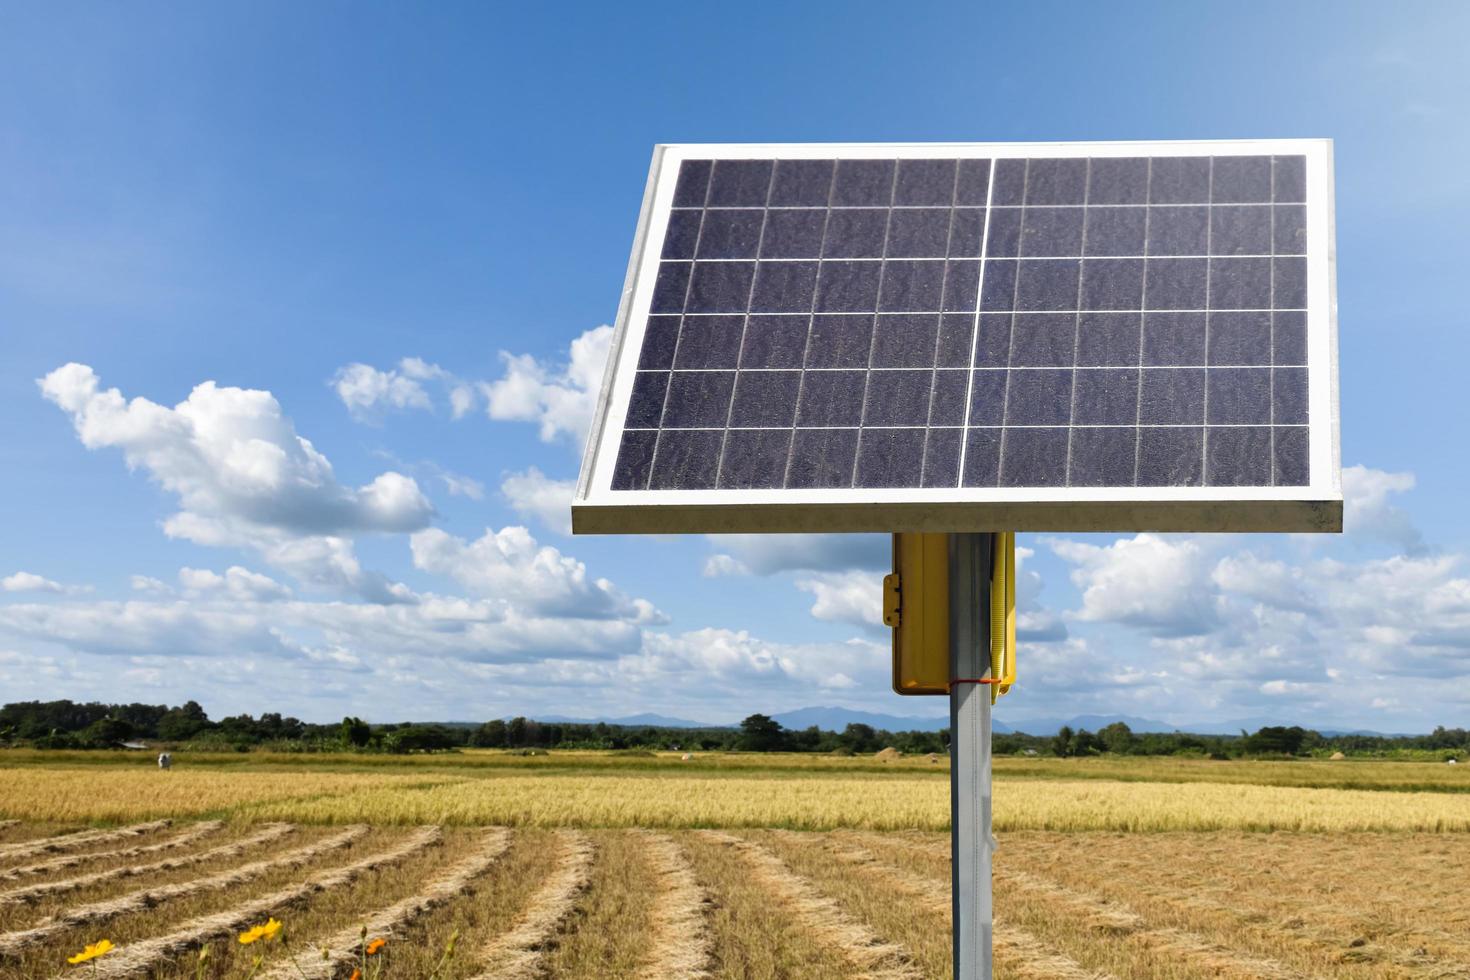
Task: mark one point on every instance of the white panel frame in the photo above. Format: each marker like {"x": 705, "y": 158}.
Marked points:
{"x": 597, "y": 509}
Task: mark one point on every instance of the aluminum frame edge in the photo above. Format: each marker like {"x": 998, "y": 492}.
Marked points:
{"x": 1318, "y": 516}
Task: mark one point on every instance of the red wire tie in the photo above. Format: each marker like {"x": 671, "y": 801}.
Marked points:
{"x": 976, "y": 680}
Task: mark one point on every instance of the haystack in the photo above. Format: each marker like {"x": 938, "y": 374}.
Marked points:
{"x": 1338, "y": 757}
{"x": 888, "y": 754}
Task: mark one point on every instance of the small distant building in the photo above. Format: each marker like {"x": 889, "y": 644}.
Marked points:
{"x": 133, "y": 745}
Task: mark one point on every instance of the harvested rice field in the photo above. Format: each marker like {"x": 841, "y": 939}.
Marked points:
{"x": 502, "y": 884}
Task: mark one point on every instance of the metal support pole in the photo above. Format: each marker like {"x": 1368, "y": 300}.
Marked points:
{"x": 971, "y": 844}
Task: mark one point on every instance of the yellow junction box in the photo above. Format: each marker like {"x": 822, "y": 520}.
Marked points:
{"x": 916, "y": 607}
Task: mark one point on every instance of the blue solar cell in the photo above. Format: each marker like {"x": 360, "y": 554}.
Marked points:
{"x": 754, "y": 458}
{"x": 1103, "y": 457}
{"x": 822, "y": 458}
{"x": 1170, "y": 457}
{"x": 686, "y": 459}
{"x": 1113, "y": 321}
{"x": 1035, "y": 457}
{"x": 1238, "y": 456}
{"x": 889, "y": 458}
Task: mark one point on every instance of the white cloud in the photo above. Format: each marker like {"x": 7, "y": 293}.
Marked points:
{"x": 220, "y": 625}
{"x": 237, "y": 583}
{"x": 1157, "y": 584}
{"x": 1369, "y": 512}
{"x": 244, "y": 477}
{"x": 1279, "y": 687}
{"x": 535, "y": 495}
{"x": 559, "y": 398}
{"x": 734, "y": 659}
{"x": 769, "y": 554}
{"x": 460, "y": 485}
{"x": 150, "y": 585}
{"x": 721, "y": 565}
{"x": 1318, "y": 630}
{"x": 510, "y": 565}
{"x": 853, "y": 597}
{"x": 367, "y": 392}
{"x": 30, "y": 582}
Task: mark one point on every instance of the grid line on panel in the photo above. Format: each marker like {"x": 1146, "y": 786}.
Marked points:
{"x": 1242, "y": 309}
{"x": 1083, "y": 425}
{"x": 939, "y": 329}
{"x": 1271, "y": 330}
{"x": 1142, "y": 326}
{"x": 1005, "y": 411}
{"x": 943, "y": 258}
{"x": 744, "y": 325}
{"x": 1077, "y": 322}
{"x": 1209, "y": 247}
{"x": 1019, "y": 367}
{"x": 806, "y": 349}
{"x": 998, "y": 207}
{"x": 1215, "y": 364}
{"x": 975, "y": 325}
{"x": 678, "y": 338}
{"x": 857, "y": 454}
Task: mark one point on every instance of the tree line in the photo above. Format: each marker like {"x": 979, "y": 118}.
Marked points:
{"x": 69, "y": 725}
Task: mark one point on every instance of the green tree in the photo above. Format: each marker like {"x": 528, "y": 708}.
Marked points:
{"x": 859, "y": 738}
{"x": 490, "y": 735}
{"x": 356, "y": 732}
{"x": 760, "y": 733}
{"x": 182, "y": 723}
{"x": 105, "y": 733}
{"x": 1117, "y": 738}
{"x": 1276, "y": 740}
{"x": 1085, "y": 743}
{"x": 1061, "y": 744}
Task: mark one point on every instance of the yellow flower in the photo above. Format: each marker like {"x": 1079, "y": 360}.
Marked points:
{"x": 91, "y": 952}
{"x": 267, "y": 931}
{"x": 376, "y": 946}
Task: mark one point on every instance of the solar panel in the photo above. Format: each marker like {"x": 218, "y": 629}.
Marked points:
{"x": 944, "y": 337}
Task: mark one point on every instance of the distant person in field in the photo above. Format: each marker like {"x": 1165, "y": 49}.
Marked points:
{"x": 165, "y": 759}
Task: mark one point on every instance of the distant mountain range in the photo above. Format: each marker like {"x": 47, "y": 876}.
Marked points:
{"x": 633, "y": 721}
{"x": 834, "y": 718}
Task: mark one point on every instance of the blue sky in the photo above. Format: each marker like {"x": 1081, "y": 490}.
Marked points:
{"x": 289, "y": 201}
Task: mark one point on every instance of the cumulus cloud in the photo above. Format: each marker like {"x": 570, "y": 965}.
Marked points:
{"x": 220, "y": 625}
{"x": 536, "y": 496}
{"x": 770, "y": 554}
{"x": 853, "y": 597}
{"x": 30, "y": 582}
{"x": 243, "y": 476}
{"x": 365, "y": 390}
{"x": 721, "y": 565}
{"x": 559, "y": 398}
{"x": 369, "y": 392}
{"x": 510, "y": 565}
{"x": 1230, "y": 619}
{"x": 150, "y": 585}
{"x": 1369, "y": 511}
{"x": 237, "y": 583}
{"x": 1154, "y": 583}
{"x": 723, "y": 657}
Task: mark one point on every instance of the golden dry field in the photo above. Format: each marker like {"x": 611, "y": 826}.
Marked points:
{"x": 592, "y": 865}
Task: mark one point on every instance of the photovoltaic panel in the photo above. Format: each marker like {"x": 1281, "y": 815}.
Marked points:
{"x": 936, "y": 337}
